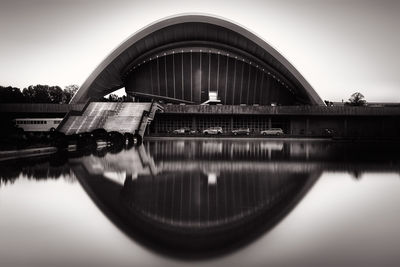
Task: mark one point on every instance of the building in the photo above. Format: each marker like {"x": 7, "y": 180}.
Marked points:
{"x": 208, "y": 72}
{"x": 187, "y": 58}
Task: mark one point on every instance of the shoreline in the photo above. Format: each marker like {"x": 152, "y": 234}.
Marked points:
{"x": 48, "y": 150}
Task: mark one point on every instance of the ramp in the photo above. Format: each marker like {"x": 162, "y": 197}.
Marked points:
{"x": 123, "y": 117}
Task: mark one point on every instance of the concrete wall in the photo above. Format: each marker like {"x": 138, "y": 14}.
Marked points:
{"x": 344, "y": 121}
{"x": 348, "y": 122}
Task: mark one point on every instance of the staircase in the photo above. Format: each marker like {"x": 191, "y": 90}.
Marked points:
{"x": 120, "y": 116}
{"x": 147, "y": 117}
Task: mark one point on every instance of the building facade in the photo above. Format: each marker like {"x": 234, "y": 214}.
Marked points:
{"x": 188, "y": 58}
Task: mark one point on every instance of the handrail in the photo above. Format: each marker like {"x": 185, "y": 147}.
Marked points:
{"x": 73, "y": 113}
{"x": 146, "y": 113}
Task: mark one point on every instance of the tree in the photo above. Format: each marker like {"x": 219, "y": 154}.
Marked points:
{"x": 11, "y": 95}
{"x": 37, "y": 93}
{"x": 69, "y": 92}
{"x": 356, "y": 99}
{"x": 28, "y": 93}
{"x": 113, "y": 98}
{"x": 55, "y": 94}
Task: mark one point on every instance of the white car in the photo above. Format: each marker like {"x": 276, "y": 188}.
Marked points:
{"x": 272, "y": 131}
{"x": 181, "y": 131}
{"x": 213, "y": 130}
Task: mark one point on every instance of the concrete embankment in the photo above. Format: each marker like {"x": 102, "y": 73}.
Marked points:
{"x": 24, "y": 153}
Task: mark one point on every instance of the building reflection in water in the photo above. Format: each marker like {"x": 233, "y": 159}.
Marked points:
{"x": 205, "y": 198}
{"x": 198, "y": 198}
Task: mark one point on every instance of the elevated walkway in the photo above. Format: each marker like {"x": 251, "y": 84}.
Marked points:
{"x": 123, "y": 117}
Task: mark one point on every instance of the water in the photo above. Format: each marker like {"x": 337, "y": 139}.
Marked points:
{"x": 207, "y": 202}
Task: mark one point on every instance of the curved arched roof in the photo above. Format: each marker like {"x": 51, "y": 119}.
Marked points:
{"x": 108, "y": 76}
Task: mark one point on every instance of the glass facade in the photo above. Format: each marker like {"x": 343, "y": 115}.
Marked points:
{"x": 190, "y": 74}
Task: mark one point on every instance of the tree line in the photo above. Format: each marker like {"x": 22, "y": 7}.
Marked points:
{"x": 38, "y": 94}
{"x": 54, "y": 94}
{"x": 47, "y": 94}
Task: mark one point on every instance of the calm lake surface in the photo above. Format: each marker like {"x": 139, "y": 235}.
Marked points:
{"x": 208, "y": 202}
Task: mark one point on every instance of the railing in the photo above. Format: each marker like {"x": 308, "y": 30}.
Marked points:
{"x": 73, "y": 113}
{"x": 283, "y": 110}
{"x": 143, "y": 122}
{"x": 146, "y": 116}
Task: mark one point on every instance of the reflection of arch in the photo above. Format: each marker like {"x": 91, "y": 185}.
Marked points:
{"x": 136, "y": 208}
{"x": 191, "y": 32}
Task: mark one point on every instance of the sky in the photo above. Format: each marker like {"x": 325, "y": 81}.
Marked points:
{"x": 339, "y": 46}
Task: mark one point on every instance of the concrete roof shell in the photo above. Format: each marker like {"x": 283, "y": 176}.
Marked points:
{"x": 107, "y": 77}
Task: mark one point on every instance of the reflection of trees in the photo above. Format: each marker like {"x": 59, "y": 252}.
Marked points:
{"x": 32, "y": 169}
{"x": 356, "y": 174}
{"x": 56, "y": 166}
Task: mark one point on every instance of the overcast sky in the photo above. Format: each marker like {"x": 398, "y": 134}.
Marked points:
{"x": 339, "y": 46}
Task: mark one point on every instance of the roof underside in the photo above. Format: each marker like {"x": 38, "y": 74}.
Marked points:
{"x": 107, "y": 77}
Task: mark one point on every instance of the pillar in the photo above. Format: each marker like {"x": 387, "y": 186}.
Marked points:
{"x": 307, "y": 126}
{"x": 194, "y": 123}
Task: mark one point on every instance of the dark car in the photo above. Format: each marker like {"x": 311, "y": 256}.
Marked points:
{"x": 241, "y": 131}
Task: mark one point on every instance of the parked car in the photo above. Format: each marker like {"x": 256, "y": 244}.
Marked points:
{"x": 241, "y": 131}
{"x": 272, "y": 131}
{"x": 181, "y": 131}
{"x": 213, "y": 130}
{"x": 328, "y": 132}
